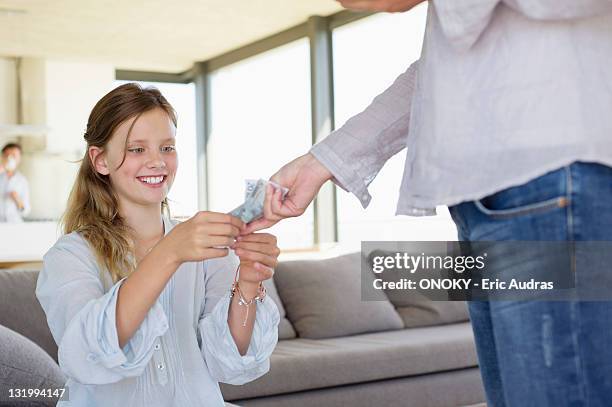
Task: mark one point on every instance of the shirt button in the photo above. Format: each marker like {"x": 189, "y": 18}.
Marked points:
{"x": 160, "y": 366}
{"x": 157, "y": 346}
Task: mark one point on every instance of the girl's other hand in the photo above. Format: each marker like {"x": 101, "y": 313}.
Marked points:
{"x": 206, "y": 235}
{"x": 258, "y": 255}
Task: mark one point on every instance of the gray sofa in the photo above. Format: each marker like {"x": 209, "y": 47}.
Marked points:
{"x": 334, "y": 349}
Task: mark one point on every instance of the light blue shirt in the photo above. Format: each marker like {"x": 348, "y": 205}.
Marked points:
{"x": 180, "y": 352}
{"x": 9, "y": 212}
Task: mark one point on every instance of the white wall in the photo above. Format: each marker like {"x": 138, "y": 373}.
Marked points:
{"x": 8, "y": 94}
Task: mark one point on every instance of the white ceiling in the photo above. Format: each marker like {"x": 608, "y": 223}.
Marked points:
{"x": 152, "y": 35}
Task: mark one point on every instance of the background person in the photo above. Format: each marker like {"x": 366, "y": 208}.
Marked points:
{"x": 14, "y": 189}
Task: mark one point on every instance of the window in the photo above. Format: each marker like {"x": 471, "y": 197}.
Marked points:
{"x": 260, "y": 118}
{"x": 183, "y": 196}
{"x": 368, "y": 55}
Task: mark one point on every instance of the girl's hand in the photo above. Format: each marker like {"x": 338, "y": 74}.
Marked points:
{"x": 206, "y": 235}
{"x": 258, "y": 255}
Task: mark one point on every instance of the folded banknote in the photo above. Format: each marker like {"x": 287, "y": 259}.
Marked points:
{"x": 254, "y": 196}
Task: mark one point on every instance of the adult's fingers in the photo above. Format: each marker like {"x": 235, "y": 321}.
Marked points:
{"x": 286, "y": 208}
{"x": 269, "y": 212}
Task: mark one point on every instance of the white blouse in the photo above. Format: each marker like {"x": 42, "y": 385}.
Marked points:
{"x": 504, "y": 91}
{"x": 180, "y": 352}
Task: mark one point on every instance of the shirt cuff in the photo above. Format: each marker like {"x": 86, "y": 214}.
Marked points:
{"x": 344, "y": 177}
{"x": 219, "y": 348}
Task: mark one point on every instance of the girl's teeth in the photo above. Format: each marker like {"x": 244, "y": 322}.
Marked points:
{"x": 153, "y": 180}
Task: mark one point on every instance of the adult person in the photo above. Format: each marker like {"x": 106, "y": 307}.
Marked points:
{"x": 506, "y": 121}
{"x": 14, "y": 190}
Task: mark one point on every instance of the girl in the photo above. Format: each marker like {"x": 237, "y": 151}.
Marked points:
{"x": 140, "y": 306}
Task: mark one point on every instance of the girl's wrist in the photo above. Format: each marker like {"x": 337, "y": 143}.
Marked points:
{"x": 250, "y": 289}
{"x": 166, "y": 254}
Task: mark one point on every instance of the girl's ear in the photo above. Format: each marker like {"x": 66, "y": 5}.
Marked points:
{"x": 98, "y": 160}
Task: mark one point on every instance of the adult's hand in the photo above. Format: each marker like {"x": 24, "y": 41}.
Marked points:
{"x": 390, "y": 6}
{"x": 304, "y": 176}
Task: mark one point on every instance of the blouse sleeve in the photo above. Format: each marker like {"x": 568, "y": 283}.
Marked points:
{"x": 356, "y": 152}
{"x": 81, "y": 317}
{"x": 218, "y": 347}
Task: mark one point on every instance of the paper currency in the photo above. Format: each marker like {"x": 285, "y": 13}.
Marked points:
{"x": 254, "y": 196}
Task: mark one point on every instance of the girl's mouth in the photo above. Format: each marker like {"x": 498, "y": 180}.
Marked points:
{"x": 153, "y": 182}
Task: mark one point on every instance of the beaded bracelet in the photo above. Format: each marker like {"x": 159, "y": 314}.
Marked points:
{"x": 261, "y": 294}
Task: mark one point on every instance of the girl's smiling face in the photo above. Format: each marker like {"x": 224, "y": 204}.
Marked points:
{"x": 142, "y": 168}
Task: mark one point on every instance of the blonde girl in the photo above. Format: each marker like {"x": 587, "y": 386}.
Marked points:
{"x": 140, "y": 305}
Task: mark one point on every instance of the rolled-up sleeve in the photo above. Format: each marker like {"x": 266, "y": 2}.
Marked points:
{"x": 218, "y": 347}
{"x": 357, "y": 151}
{"x": 81, "y": 317}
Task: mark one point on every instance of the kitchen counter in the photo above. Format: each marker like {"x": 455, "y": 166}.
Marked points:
{"x": 26, "y": 242}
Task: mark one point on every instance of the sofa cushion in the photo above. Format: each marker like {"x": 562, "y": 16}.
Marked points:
{"x": 285, "y": 329}
{"x": 429, "y": 313}
{"x": 416, "y": 309}
{"x": 323, "y": 298}
{"x": 23, "y": 364}
{"x": 21, "y": 311}
{"x": 305, "y": 364}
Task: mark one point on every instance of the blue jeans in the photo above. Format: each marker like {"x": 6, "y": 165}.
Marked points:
{"x": 544, "y": 353}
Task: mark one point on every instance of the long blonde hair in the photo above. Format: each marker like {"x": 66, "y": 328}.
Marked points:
{"x": 92, "y": 208}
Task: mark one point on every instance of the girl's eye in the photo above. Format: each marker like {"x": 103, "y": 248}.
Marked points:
{"x": 136, "y": 150}
{"x": 168, "y": 149}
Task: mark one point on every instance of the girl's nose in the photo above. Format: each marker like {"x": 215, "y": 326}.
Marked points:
{"x": 156, "y": 161}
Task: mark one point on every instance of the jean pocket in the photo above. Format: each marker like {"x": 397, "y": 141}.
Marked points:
{"x": 526, "y": 209}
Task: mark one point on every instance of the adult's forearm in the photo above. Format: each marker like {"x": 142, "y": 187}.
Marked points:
{"x": 139, "y": 292}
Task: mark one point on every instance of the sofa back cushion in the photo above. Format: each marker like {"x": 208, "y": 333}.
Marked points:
{"x": 416, "y": 308}
{"x": 21, "y": 311}
{"x": 285, "y": 329}
{"x": 322, "y": 298}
